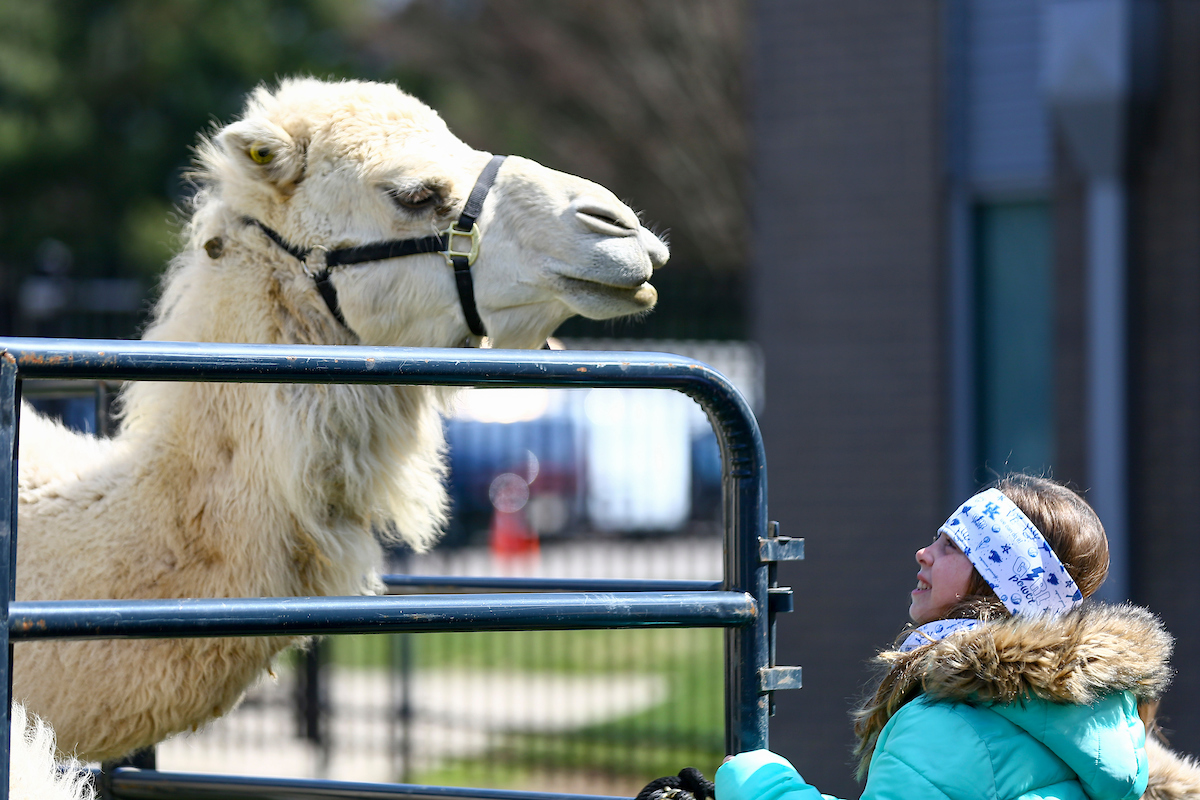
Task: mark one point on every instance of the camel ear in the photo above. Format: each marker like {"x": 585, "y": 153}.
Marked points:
{"x": 264, "y": 150}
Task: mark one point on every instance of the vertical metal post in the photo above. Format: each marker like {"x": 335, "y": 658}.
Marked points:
{"x": 747, "y": 648}
{"x": 1107, "y": 376}
{"x": 310, "y": 705}
{"x": 103, "y": 427}
{"x": 1097, "y": 58}
{"x": 404, "y": 716}
{"x": 10, "y": 417}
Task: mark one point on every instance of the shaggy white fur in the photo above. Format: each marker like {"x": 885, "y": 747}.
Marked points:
{"x": 35, "y": 776}
{"x": 248, "y": 490}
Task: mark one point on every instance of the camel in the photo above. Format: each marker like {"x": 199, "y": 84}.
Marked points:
{"x": 256, "y": 490}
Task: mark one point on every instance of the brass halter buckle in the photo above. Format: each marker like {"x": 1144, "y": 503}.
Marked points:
{"x": 315, "y": 261}
{"x": 449, "y": 253}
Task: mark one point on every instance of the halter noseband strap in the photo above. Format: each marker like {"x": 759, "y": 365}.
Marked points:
{"x": 320, "y": 261}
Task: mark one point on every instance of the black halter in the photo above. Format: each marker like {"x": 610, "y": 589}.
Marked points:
{"x": 320, "y": 261}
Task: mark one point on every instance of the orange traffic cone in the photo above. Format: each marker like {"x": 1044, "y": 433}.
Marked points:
{"x": 511, "y": 537}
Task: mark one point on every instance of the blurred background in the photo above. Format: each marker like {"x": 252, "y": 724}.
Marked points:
{"x": 932, "y": 241}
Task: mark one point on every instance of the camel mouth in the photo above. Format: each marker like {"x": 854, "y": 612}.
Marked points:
{"x": 594, "y": 297}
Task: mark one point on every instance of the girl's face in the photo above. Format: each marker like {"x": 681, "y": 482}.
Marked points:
{"x": 941, "y": 582}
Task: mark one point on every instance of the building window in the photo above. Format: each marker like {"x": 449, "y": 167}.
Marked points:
{"x": 1015, "y": 338}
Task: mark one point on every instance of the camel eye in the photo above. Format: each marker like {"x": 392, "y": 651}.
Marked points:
{"x": 414, "y": 199}
{"x": 261, "y": 153}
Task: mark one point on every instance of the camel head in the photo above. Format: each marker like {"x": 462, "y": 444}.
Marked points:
{"x": 339, "y": 165}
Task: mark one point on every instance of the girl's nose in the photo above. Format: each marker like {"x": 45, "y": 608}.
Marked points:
{"x": 922, "y": 556}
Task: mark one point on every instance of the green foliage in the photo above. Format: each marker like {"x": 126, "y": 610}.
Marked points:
{"x": 102, "y": 100}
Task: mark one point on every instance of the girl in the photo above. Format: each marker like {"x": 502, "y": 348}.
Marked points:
{"x": 1009, "y": 687}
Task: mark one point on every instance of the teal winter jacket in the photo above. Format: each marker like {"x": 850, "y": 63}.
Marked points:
{"x": 1018, "y": 709}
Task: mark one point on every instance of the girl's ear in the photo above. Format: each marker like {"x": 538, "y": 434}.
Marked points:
{"x": 264, "y": 151}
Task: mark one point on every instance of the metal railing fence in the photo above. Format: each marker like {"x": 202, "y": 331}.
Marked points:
{"x": 744, "y": 605}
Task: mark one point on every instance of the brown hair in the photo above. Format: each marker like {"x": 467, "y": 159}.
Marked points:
{"x": 1072, "y": 530}
{"x": 1068, "y": 524}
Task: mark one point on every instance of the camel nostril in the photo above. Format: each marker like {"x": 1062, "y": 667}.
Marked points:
{"x": 616, "y": 223}
{"x": 605, "y": 221}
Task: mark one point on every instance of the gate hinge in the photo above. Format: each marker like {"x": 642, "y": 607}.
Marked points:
{"x": 774, "y": 679}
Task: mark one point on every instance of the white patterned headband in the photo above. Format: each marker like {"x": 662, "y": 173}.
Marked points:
{"x": 1012, "y": 555}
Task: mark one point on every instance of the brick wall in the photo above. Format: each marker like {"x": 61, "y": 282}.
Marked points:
{"x": 1165, "y": 361}
{"x": 848, "y": 270}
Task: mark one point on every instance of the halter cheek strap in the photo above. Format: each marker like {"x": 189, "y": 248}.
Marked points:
{"x": 458, "y": 244}
{"x": 461, "y": 261}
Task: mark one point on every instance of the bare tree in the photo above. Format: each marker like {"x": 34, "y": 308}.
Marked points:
{"x": 645, "y": 96}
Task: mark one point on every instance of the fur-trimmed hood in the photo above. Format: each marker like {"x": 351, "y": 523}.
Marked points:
{"x": 1079, "y": 657}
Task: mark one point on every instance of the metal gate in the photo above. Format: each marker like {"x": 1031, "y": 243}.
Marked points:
{"x": 744, "y": 604}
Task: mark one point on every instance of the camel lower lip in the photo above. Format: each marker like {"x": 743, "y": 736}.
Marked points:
{"x": 624, "y": 294}
{"x": 584, "y": 283}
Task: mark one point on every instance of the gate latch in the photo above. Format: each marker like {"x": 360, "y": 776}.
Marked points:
{"x": 772, "y": 679}
{"x": 779, "y": 548}
{"x": 771, "y": 550}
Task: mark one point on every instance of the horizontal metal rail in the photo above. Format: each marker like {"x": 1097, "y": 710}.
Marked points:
{"x": 308, "y": 616}
{"x": 132, "y": 784}
{"x": 214, "y": 361}
{"x": 395, "y": 581}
